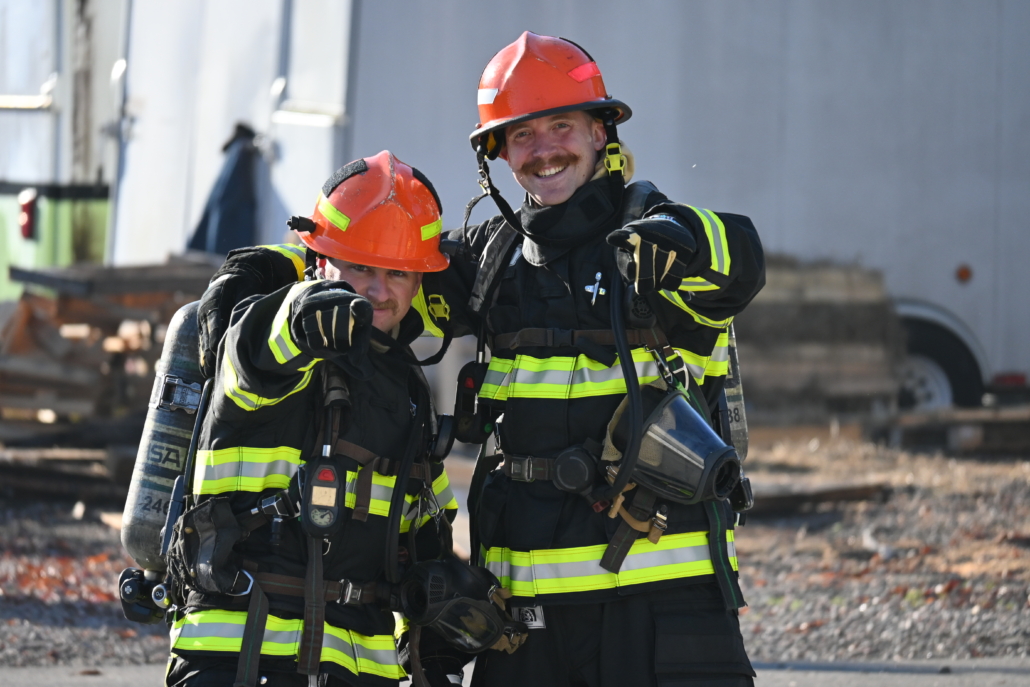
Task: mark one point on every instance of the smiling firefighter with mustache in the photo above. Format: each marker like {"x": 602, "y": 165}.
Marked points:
{"x": 642, "y": 591}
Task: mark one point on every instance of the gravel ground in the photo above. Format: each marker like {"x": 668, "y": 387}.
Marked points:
{"x": 58, "y": 575}
{"x": 939, "y": 569}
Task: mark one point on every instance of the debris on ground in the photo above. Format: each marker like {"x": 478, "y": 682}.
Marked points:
{"x": 940, "y": 568}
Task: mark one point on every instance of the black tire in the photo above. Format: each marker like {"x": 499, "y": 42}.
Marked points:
{"x": 947, "y": 350}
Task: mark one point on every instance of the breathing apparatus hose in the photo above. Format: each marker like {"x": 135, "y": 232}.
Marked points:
{"x": 400, "y": 488}
{"x": 636, "y": 403}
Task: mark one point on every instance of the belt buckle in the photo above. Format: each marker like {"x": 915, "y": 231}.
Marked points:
{"x": 350, "y": 593}
{"x": 521, "y": 468}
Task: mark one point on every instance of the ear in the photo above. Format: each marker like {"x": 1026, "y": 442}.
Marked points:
{"x": 320, "y": 266}
{"x": 598, "y": 134}
{"x": 503, "y": 154}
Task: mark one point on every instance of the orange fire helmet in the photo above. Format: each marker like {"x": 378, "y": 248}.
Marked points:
{"x": 537, "y": 76}
{"x": 378, "y": 211}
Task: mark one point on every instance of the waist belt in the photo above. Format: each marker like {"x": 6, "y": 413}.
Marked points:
{"x": 344, "y": 592}
{"x": 528, "y": 468}
{"x": 556, "y": 338}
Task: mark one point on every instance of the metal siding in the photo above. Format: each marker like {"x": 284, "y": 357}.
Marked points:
{"x": 863, "y": 132}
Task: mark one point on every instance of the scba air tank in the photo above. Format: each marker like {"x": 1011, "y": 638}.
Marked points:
{"x": 165, "y": 441}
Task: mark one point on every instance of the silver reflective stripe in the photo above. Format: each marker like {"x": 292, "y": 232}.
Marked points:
{"x": 246, "y": 468}
{"x": 654, "y": 559}
{"x": 223, "y": 630}
{"x": 379, "y": 492}
{"x": 731, "y": 549}
{"x": 528, "y": 574}
{"x": 720, "y": 259}
{"x": 583, "y": 375}
{"x": 720, "y": 354}
{"x": 359, "y": 652}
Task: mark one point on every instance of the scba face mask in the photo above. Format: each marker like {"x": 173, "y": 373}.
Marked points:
{"x": 463, "y": 604}
{"x": 681, "y": 457}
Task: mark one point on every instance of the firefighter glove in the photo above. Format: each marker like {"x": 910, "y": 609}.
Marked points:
{"x": 329, "y": 319}
{"x": 653, "y": 252}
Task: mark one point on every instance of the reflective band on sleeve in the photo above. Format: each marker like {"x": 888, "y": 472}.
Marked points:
{"x": 675, "y": 298}
{"x": 245, "y": 469}
{"x": 561, "y": 377}
{"x": 335, "y": 217}
{"x": 716, "y": 232}
{"x": 432, "y": 229}
{"x": 697, "y": 285}
{"x": 561, "y": 571}
{"x": 280, "y": 341}
{"x": 251, "y": 401}
{"x": 296, "y": 254}
{"x": 222, "y": 631}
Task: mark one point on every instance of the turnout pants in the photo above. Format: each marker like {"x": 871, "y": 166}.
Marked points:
{"x": 682, "y": 637}
{"x": 204, "y": 671}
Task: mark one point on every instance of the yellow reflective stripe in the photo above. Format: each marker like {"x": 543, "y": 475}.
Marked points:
{"x": 432, "y": 229}
{"x": 217, "y": 630}
{"x": 296, "y": 254}
{"x": 561, "y": 571}
{"x": 245, "y": 468}
{"x": 382, "y": 495}
{"x": 561, "y": 377}
{"x": 280, "y": 341}
{"x": 419, "y": 303}
{"x": 251, "y": 401}
{"x": 696, "y": 285}
{"x": 676, "y": 299}
{"x": 335, "y": 217}
{"x": 716, "y": 233}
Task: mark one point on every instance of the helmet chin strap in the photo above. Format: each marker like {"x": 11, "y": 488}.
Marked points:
{"x": 614, "y": 162}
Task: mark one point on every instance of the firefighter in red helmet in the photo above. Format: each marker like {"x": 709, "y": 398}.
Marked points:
{"x": 318, "y": 493}
{"x": 638, "y": 589}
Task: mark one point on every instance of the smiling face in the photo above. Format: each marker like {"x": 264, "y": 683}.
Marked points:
{"x": 553, "y": 156}
{"x": 390, "y": 291}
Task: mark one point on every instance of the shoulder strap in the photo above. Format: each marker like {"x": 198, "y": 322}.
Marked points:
{"x": 492, "y": 262}
{"x": 634, "y": 199}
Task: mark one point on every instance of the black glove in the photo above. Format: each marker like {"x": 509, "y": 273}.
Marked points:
{"x": 653, "y": 252}
{"x": 246, "y": 272}
{"x": 329, "y": 319}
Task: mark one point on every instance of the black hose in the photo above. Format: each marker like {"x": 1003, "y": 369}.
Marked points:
{"x": 629, "y": 372}
{"x": 400, "y": 487}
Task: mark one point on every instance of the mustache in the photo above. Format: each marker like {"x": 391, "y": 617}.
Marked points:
{"x": 539, "y": 164}
{"x": 389, "y": 304}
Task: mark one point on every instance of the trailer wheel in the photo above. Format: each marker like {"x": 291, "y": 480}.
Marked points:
{"x": 938, "y": 370}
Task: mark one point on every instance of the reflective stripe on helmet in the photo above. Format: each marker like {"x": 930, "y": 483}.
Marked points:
{"x": 561, "y": 571}
{"x": 335, "y": 217}
{"x": 432, "y": 229}
{"x": 222, "y": 631}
